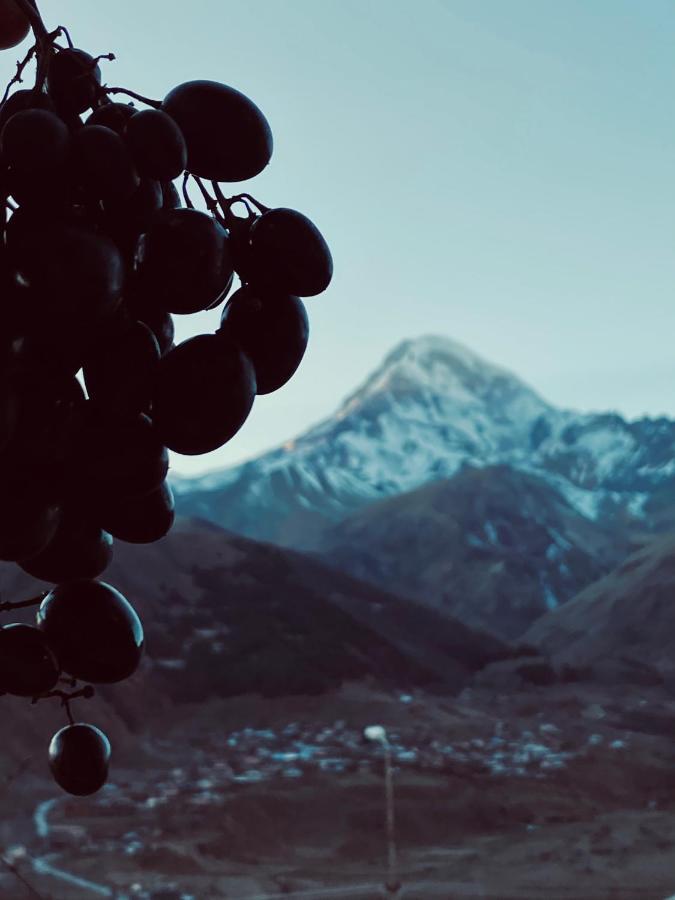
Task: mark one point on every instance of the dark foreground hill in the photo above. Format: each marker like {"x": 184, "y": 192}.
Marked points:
{"x": 225, "y": 616}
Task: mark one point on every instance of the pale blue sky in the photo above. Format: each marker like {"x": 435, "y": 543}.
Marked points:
{"x": 499, "y": 171}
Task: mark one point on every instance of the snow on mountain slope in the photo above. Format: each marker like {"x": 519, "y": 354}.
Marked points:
{"x": 431, "y": 407}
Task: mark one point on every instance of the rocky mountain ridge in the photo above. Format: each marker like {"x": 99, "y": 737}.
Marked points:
{"x": 432, "y": 407}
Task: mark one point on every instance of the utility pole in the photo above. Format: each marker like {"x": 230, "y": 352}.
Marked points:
{"x": 378, "y": 734}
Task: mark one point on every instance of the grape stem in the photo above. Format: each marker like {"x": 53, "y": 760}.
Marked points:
{"x": 156, "y": 104}
{"x": 87, "y": 692}
{"x": 20, "y": 66}
{"x": 186, "y": 196}
{"x": 211, "y": 202}
{"x": 65, "y": 31}
{"x": 20, "y": 604}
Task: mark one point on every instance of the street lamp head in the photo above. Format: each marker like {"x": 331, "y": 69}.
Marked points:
{"x": 375, "y": 733}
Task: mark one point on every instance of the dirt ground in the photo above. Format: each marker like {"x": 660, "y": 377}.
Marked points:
{"x": 559, "y": 792}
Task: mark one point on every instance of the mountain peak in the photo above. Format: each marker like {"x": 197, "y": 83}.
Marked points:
{"x": 438, "y": 365}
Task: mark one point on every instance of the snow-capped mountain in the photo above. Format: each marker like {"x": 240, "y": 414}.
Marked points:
{"x": 430, "y": 408}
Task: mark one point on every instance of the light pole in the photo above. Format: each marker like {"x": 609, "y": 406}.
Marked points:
{"x": 378, "y": 735}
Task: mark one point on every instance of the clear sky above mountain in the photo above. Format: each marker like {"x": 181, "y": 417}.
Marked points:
{"x": 498, "y": 172}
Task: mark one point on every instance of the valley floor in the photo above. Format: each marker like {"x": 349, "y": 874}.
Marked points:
{"x": 559, "y": 792}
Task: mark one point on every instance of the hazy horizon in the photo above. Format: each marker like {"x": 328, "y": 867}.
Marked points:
{"x": 497, "y": 173}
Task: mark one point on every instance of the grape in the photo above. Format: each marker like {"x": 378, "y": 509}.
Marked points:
{"x": 27, "y": 665}
{"x": 73, "y": 80}
{"x": 75, "y": 276}
{"x": 126, "y": 220}
{"x": 157, "y": 144}
{"x": 272, "y": 330}
{"x": 141, "y": 520}
{"x": 120, "y": 371}
{"x": 78, "y": 549}
{"x": 204, "y": 392}
{"x": 27, "y": 524}
{"x": 34, "y": 140}
{"x": 93, "y": 630}
{"x": 183, "y": 261}
{"x": 288, "y": 253}
{"x": 159, "y": 322}
{"x": 227, "y": 136}
{"x": 112, "y": 115}
{"x": 21, "y": 100}
{"x": 79, "y": 756}
{"x": 106, "y": 170}
{"x": 14, "y": 26}
{"x": 119, "y": 458}
{"x": 170, "y": 196}
{"x": 51, "y": 189}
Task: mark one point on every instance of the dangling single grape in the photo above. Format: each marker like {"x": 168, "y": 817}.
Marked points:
{"x": 93, "y": 630}
{"x": 79, "y": 757}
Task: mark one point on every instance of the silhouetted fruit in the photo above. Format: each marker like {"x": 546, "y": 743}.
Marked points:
{"x": 93, "y": 630}
{"x": 79, "y": 756}
{"x": 183, "y": 261}
{"x": 112, "y": 115}
{"x": 74, "y": 276}
{"x": 51, "y": 189}
{"x": 104, "y": 165}
{"x": 27, "y": 521}
{"x": 119, "y": 371}
{"x": 157, "y": 144}
{"x": 227, "y": 136}
{"x": 27, "y": 665}
{"x": 288, "y": 253}
{"x": 141, "y": 520}
{"x": 118, "y": 458}
{"x": 34, "y": 140}
{"x": 170, "y": 196}
{"x": 24, "y": 99}
{"x": 271, "y": 329}
{"x": 73, "y": 80}
{"x": 14, "y": 26}
{"x": 159, "y": 322}
{"x": 204, "y": 393}
{"x": 78, "y": 549}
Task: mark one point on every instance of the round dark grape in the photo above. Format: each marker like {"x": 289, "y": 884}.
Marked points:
{"x": 104, "y": 165}
{"x": 14, "y": 26}
{"x": 227, "y": 136}
{"x": 21, "y": 100}
{"x": 287, "y": 252}
{"x": 204, "y": 392}
{"x": 27, "y": 523}
{"x": 112, "y": 115}
{"x": 27, "y": 665}
{"x": 79, "y": 757}
{"x": 183, "y": 261}
{"x": 73, "y": 80}
{"x": 93, "y": 630}
{"x": 118, "y": 458}
{"x": 77, "y": 550}
{"x": 34, "y": 140}
{"x": 119, "y": 372}
{"x": 170, "y": 197}
{"x": 271, "y": 329}
{"x": 157, "y": 144}
{"x": 142, "y": 520}
{"x": 161, "y": 325}
{"x": 73, "y": 276}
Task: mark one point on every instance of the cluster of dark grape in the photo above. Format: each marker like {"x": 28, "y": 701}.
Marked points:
{"x": 97, "y": 252}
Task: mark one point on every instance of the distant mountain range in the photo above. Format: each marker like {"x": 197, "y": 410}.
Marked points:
{"x": 448, "y": 479}
{"x": 432, "y": 407}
